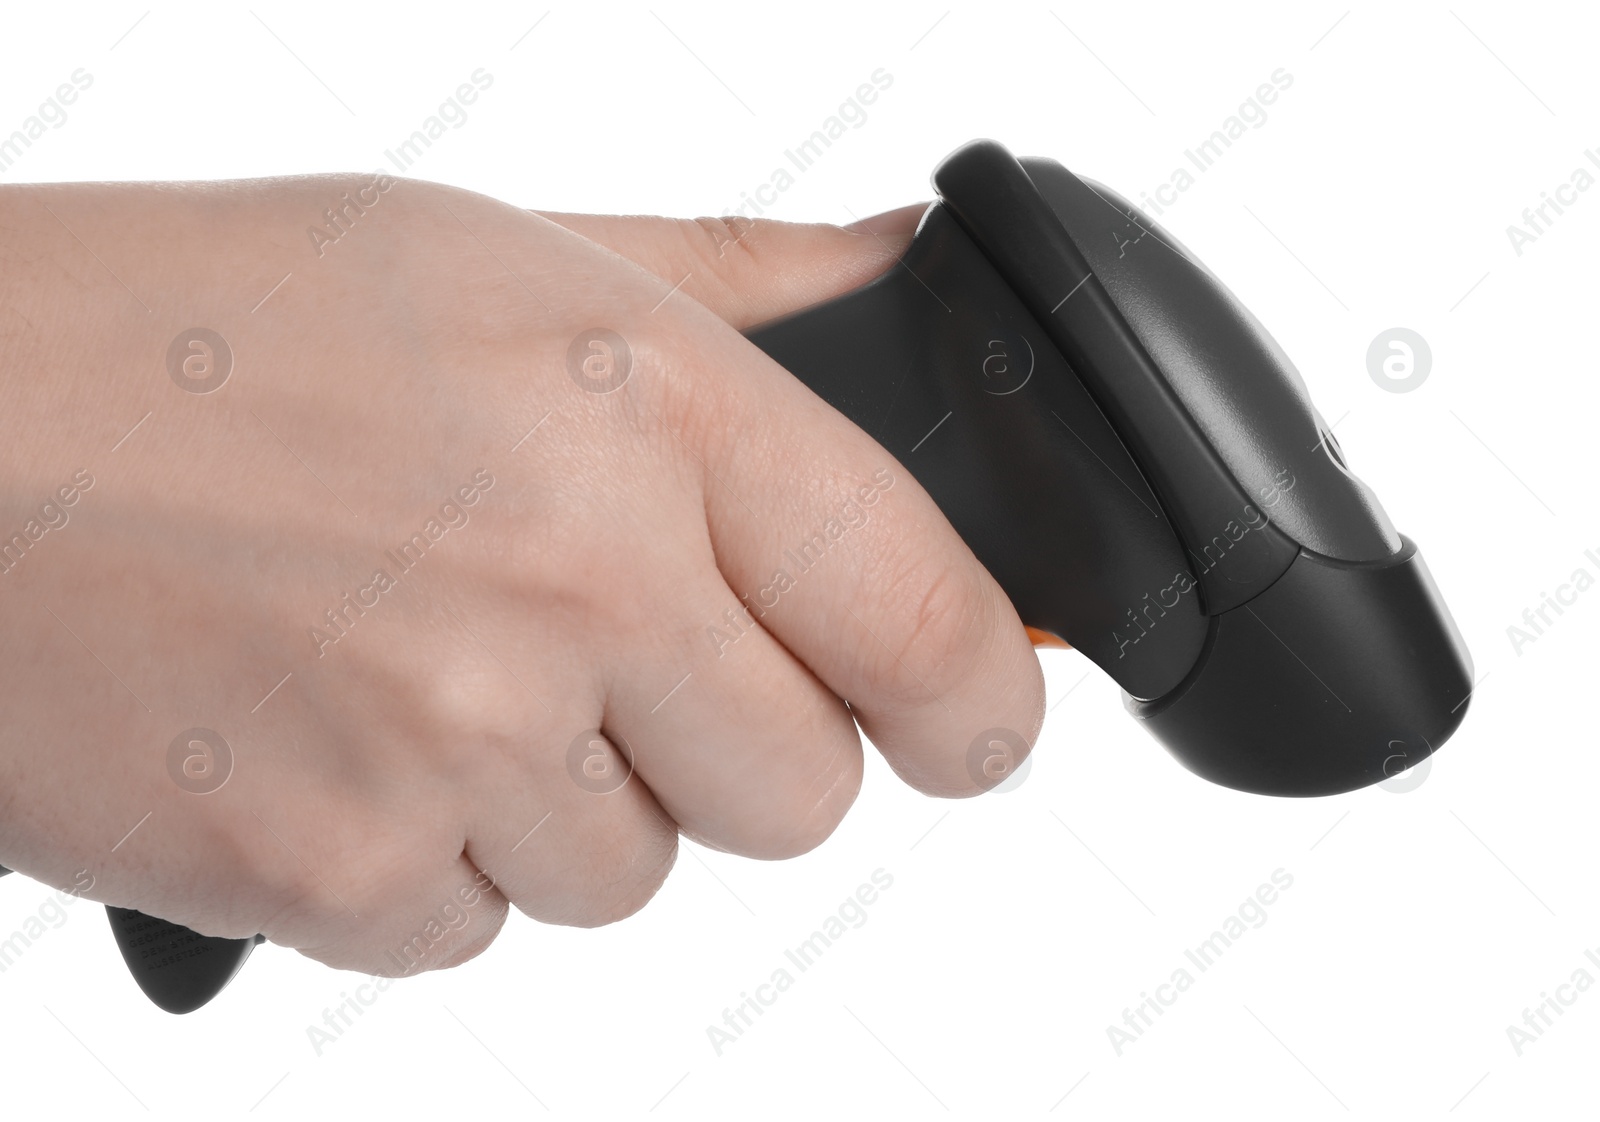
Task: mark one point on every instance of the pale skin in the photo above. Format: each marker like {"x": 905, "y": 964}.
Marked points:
{"x": 375, "y": 777}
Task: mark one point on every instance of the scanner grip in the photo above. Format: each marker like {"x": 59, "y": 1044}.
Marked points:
{"x": 178, "y": 969}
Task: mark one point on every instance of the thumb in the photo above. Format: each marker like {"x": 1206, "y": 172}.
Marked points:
{"x": 749, "y": 271}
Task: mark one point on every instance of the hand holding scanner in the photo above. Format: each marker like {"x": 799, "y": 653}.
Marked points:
{"x": 1140, "y": 467}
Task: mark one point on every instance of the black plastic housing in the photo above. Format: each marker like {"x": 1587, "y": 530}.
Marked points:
{"x": 1352, "y": 672}
{"x": 178, "y": 969}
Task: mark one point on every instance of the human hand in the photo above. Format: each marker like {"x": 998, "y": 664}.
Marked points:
{"x": 365, "y": 612}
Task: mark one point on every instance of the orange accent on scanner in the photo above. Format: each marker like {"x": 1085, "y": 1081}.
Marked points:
{"x": 1046, "y": 639}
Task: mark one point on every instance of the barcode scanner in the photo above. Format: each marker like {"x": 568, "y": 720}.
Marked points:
{"x": 1141, "y": 468}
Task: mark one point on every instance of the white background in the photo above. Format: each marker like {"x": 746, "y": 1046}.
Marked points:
{"x": 1020, "y": 925}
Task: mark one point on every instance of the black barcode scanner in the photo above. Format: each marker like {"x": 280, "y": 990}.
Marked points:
{"x": 1141, "y": 468}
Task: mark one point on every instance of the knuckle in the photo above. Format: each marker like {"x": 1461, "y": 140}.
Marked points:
{"x": 473, "y": 704}
{"x": 797, "y": 810}
{"x": 624, "y": 879}
{"x": 470, "y": 949}
{"x": 808, "y": 821}
{"x": 937, "y": 616}
{"x": 727, "y": 253}
{"x": 453, "y": 930}
{"x": 726, "y": 242}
